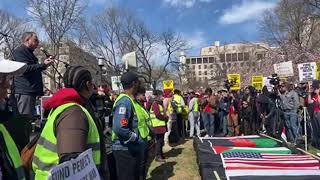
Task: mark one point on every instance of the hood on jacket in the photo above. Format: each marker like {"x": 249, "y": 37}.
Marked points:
{"x": 63, "y": 96}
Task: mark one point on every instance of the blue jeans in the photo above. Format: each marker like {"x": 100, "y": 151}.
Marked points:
{"x": 208, "y": 121}
{"x": 223, "y": 122}
{"x": 291, "y": 121}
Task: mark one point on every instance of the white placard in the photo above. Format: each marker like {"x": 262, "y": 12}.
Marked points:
{"x": 284, "y": 69}
{"x": 130, "y": 59}
{"x": 82, "y": 168}
{"x": 116, "y": 83}
{"x": 307, "y": 71}
{"x": 266, "y": 82}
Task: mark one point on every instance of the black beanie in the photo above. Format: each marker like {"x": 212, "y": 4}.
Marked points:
{"x": 76, "y": 77}
{"x": 128, "y": 78}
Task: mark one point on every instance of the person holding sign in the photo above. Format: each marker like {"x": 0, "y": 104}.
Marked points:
{"x": 129, "y": 132}
{"x": 10, "y": 161}
{"x": 71, "y": 127}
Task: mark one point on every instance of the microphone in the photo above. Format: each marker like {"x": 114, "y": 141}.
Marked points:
{"x": 45, "y": 52}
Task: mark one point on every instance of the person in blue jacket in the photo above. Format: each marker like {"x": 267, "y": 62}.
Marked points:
{"x": 129, "y": 136}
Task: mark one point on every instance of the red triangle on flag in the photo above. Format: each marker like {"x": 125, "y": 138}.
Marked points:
{"x": 220, "y": 149}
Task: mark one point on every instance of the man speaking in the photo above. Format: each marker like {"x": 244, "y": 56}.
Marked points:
{"x": 29, "y": 85}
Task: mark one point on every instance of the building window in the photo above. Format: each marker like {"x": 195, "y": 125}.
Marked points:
{"x": 205, "y": 60}
{"x": 205, "y": 73}
{"x": 199, "y": 66}
{"x": 199, "y": 60}
{"x": 194, "y": 61}
{"x": 194, "y": 73}
{"x": 195, "y": 79}
{"x": 211, "y": 66}
{"x": 200, "y": 79}
{"x": 260, "y": 56}
{"x": 246, "y": 56}
{"x": 240, "y": 56}
{"x": 205, "y": 66}
{"x": 211, "y": 72}
{"x": 200, "y": 73}
{"x": 210, "y": 49}
{"x": 234, "y": 56}
{"x": 222, "y": 57}
{"x": 206, "y": 78}
{"x": 187, "y": 61}
{"x": 228, "y": 57}
{"x": 193, "y": 66}
{"x": 211, "y": 59}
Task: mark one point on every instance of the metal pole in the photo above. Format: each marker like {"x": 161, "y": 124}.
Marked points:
{"x": 305, "y": 128}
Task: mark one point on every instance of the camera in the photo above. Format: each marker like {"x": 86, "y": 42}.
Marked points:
{"x": 229, "y": 84}
{"x": 274, "y": 79}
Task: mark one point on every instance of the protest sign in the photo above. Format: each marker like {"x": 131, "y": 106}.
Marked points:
{"x": 236, "y": 79}
{"x": 82, "y": 168}
{"x": 307, "y": 71}
{"x": 257, "y": 82}
{"x": 116, "y": 83}
{"x": 284, "y": 69}
{"x": 168, "y": 84}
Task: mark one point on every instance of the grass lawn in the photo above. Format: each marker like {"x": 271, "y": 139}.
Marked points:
{"x": 180, "y": 164}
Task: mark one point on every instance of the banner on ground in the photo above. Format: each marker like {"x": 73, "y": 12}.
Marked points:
{"x": 257, "y": 82}
{"x": 284, "y": 69}
{"x": 83, "y": 167}
{"x": 168, "y": 84}
{"x": 236, "y": 79}
{"x": 116, "y": 83}
{"x": 307, "y": 71}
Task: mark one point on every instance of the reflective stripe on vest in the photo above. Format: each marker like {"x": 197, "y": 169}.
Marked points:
{"x": 46, "y": 156}
{"x": 13, "y": 153}
{"x": 177, "y": 99}
{"x": 155, "y": 121}
{"x": 196, "y": 106}
{"x": 141, "y": 114}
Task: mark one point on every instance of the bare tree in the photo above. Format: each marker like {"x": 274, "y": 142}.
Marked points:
{"x": 57, "y": 17}
{"x": 12, "y": 26}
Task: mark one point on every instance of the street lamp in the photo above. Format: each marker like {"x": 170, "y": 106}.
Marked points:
{"x": 101, "y": 64}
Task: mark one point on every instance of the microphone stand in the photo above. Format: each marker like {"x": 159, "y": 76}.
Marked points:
{"x": 12, "y": 98}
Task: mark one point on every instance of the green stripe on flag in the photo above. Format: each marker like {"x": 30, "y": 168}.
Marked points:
{"x": 281, "y": 150}
{"x": 265, "y": 142}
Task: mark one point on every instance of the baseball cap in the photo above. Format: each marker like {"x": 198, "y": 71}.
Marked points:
{"x": 128, "y": 78}
{"x": 11, "y": 67}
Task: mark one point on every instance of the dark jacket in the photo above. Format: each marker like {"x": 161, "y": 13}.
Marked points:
{"x": 30, "y": 82}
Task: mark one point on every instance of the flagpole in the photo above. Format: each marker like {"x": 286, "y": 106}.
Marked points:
{"x": 305, "y": 152}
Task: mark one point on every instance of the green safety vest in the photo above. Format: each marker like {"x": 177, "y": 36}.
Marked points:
{"x": 177, "y": 99}
{"x": 46, "y": 156}
{"x": 141, "y": 114}
{"x": 13, "y": 151}
{"x": 154, "y": 120}
{"x": 196, "y": 106}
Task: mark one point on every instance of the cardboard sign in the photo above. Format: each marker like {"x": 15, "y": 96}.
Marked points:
{"x": 266, "y": 82}
{"x": 307, "y": 71}
{"x": 236, "y": 78}
{"x": 257, "y": 82}
{"x": 83, "y": 168}
{"x": 168, "y": 84}
{"x": 116, "y": 83}
{"x": 284, "y": 69}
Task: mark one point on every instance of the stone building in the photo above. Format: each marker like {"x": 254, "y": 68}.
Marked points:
{"x": 71, "y": 54}
{"x": 216, "y": 61}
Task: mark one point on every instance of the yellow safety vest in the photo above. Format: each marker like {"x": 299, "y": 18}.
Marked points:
{"x": 155, "y": 121}
{"x": 46, "y": 156}
{"x": 177, "y": 99}
{"x": 196, "y": 106}
{"x": 14, "y": 154}
{"x": 141, "y": 114}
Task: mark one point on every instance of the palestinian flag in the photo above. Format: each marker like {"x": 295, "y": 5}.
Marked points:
{"x": 260, "y": 142}
{"x": 226, "y": 149}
